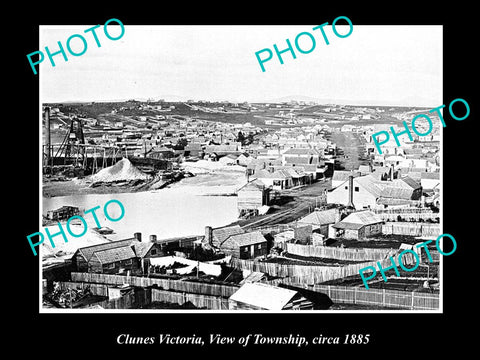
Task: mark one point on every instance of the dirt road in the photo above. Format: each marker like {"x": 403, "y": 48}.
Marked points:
{"x": 351, "y": 149}
{"x": 290, "y": 205}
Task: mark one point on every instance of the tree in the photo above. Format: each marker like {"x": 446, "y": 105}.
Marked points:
{"x": 240, "y": 137}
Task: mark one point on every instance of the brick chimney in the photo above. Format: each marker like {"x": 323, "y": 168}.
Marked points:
{"x": 208, "y": 235}
{"x": 350, "y": 192}
{"x": 138, "y": 236}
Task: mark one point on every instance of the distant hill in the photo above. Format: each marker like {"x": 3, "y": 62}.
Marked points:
{"x": 404, "y": 102}
{"x": 294, "y": 98}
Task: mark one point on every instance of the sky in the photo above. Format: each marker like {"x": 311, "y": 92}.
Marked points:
{"x": 375, "y": 65}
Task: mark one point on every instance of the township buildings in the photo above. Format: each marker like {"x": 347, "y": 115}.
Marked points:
{"x": 395, "y": 194}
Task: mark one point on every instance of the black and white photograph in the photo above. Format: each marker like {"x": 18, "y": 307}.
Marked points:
{"x": 221, "y": 181}
{"x": 224, "y": 185}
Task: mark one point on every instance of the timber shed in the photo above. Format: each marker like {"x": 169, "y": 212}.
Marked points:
{"x": 245, "y": 246}
{"x": 260, "y": 296}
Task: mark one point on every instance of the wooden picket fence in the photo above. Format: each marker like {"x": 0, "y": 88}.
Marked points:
{"x": 411, "y": 300}
{"x": 306, "y": 274}
{"x": 409, "y": 214}
{"x": 166, "y": 284}
{"x": 144, "y": 298}
{"x": 412, "y": 229}
{"x": 352, "y": 254}
{"x": 199, "y": 301}
{"x": 95, "y": 289}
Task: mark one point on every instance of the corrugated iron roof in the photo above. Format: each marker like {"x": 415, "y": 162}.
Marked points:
{"x": 109, "y": 256}
{"x": 398, "y": 188}
{"x": 348, "y": 226}
{"x": 278, "y": 174}
{"x": 255, "y": 184}
{"x": 301, "y": 151}
{"x": 263, "y": 296}
{"x": 220, "y": 234}
{"x": 324, "y": 217}
{"x": 250, "y": 238}
{"x": 88, "y": 251}
{"x": 141, "y": 248}
{"x": 430, "y": 175}
{"x": 365, "y": 217}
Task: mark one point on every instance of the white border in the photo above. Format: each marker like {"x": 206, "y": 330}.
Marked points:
{"x": 202, "y": 311}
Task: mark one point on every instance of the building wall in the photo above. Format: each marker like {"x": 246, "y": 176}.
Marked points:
{"x": 373, "y": 229}
{"x": 79, "y": 263}
{"x": 155, "y": 251}
{"x": 94, "y": 266}
{"x": 302, "y": 233}
{"x": 238, "y": 305}
{"x": 245, "y": 252}
{"x": 353, "y": 234}
{"x": 361, "y": 198}
{"x": 250, "y": 199}
{"x": 277, "y": 184}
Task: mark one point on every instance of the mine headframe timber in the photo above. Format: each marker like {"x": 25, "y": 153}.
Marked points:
{"x": 74, "y": 151}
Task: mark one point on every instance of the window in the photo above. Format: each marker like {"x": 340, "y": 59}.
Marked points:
{"x": 245, "y": 249}
{"x": 153, "y": 252}
{"x": 357, "y": 189}
{"x": 277, "y": 183}
{"x": 110, "y": 266}
{"x": 259, "y": 246}
{"x": 128, "y": 262}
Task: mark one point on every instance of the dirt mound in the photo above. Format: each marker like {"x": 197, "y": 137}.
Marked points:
{"x": 121, "y": 171}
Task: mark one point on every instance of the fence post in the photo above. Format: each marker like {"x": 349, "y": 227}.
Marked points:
{"x": 413, "y": 296}
{"x": 383, "y": 297}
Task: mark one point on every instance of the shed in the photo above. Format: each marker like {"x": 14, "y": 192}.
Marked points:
{"x": 245, "y": 246}
{"x": 96, "y": 258}
{"x": 63, "y": 212}
{"x": 82, "y": 256}
{"x": 321, "y": 219}
{"x": 359, "y": 225}
{"x": 112, "y": 260}
{"x": 278, "y": 180}
{"x": 194, "y": 150}
{"x": 229, "y": 159}
{"x": 218, "y": 235}
{"x": 252, "y": 196}
{"x": 260, "y": 296}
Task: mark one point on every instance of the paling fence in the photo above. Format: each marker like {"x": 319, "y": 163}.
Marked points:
{"x": 410, "y": 214}
{"x": 411, "y": 300}
{"x": 306, "y": 274}
{"x": 129, "y": 301}
{"x": 412, "y": 229}
{"x": 165, "y": 284}
{"x": 145, "y": 298}
{"x": 95, "y": 289}
{"x": 198, "y": 300}
{"x": 352, "y": 254}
